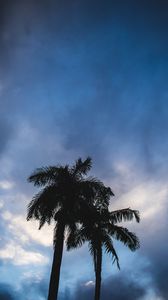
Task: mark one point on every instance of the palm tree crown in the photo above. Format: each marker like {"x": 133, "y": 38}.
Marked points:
{"x": 65, "y": 188}
{"x": 99, "y": 231}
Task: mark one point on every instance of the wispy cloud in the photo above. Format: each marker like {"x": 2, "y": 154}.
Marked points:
{"x": 19, "y": 256}
{"x": 6, "y": 185}
{"x": 27, "y": 232}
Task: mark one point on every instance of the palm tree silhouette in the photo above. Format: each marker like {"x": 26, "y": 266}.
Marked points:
{"x": 67, "y": 198}
{"x": 98, "y": 232}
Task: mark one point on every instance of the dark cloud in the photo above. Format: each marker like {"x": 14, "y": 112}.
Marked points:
{"x": 7, "y": 292}
{"x": 30, "y": 289}
{"x": 34, "y": 288}
{"x": 156, "y": 251}
{"x": 122, "y": 132}
{"x": 115, "y": 287}
{"x": 120, "y": 288}
{"x": 6, "y": 133}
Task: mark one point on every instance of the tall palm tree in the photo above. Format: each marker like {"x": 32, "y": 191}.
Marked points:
{"x": 66, "y": 197}
{"x": 98, "y": 232}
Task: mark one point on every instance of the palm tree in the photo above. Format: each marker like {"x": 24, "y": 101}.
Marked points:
{"x": 98, "y": 232}
{"x": 66, "y": 197}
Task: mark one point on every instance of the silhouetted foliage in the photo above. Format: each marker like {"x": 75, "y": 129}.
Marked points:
{"x": 98, "y": 232}
{"x": 68, "y": 198}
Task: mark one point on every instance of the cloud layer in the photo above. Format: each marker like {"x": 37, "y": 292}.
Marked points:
{"x": 77, "y": 79}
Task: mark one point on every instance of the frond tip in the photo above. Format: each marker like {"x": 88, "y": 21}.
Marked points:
{"x": 109, "y": 248}
{"x": 125, "y": 236}
{"x": 82, "y": 167}
{"x": 126, "y": 214}
{"x": 44, "y": 175}
{"x": 40, "y": 208}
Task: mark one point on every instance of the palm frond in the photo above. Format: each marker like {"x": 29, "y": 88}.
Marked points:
{"x": 125, "y": 236}
{"x": 71, "y": 232}
{"x": 126, "y": 214}
{"x": 73, "y": 241}
{"x": 109, "y": 248}
{"x": 92, "y": 248}
{"x": 96, "y": 192}
{"x": 81, "y": 167}
{"x": 76, "y": 238}
{"x": 43, "y": 205}
{"x": 44, "y": 175}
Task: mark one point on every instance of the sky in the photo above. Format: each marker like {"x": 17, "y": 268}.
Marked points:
{"x": 77, "y": 79}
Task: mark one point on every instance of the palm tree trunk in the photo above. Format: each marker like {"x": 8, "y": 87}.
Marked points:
{"x": 56, "y": 265}
{"x": 98, "y": 274}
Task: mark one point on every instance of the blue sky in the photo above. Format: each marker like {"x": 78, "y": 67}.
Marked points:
{"x": 81, "y": 78}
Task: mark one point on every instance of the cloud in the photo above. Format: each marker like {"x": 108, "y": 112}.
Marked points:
{"x": 26, "y": 232}
{"x": 15, "y": 245}
{"x": 6, "y": 185}
{"x": 122, "y": 288}
{"x": 7, "y": 292}
{"x": 30, "y": 289}
{"x": 90, "y": 283}
{"x": 93, "y": 90}
{"x": 30, "y": 139}
{"x": 155, "y": 249}
{"x": 117, "y": 287}
{"x": 6, "y": 133}
{"x": 19, "y": 256}
{"x": 148, "y": 196}
{"x": 33, "y": 289}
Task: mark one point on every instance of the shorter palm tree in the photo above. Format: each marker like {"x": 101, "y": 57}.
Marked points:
{"x": 98, "y": 231}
